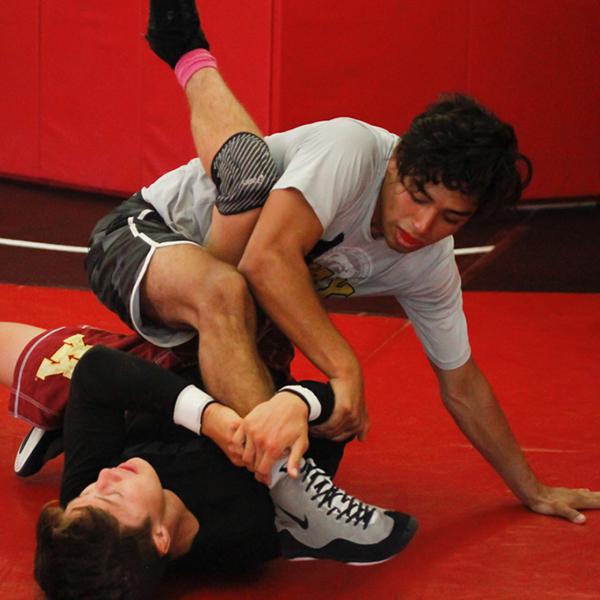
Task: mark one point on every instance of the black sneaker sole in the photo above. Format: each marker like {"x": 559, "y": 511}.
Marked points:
{"x": 351, "y": 553}
{"x": 174, "y": 29}
{"x": 36, "y": 449}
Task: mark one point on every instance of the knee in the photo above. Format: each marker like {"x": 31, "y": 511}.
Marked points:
{"x": 244, "y": 172}
{"x": 223, "y": 298}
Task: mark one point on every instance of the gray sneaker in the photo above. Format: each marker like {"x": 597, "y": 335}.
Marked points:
{"x": 317, "y": 520}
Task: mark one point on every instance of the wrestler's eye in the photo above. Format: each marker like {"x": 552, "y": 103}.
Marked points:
{"x": 452, "y": 220}
{"x": 420, "y": 199}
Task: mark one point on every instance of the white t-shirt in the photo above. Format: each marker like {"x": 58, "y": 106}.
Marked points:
{"x": 339, "y": 166}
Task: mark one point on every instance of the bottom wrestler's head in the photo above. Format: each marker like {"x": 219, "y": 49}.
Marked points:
{"x": 109, "y": 542}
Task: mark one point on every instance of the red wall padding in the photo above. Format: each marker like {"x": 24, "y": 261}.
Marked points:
{"x": 90, "y": 91}
{"x": 538, "y": 63}
{"x": 19, "y": 97}
{"x": 86, "y": 104}
{"x": 353, "y": 58}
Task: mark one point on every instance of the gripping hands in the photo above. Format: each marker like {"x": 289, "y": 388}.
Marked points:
{"x": 273, "y": 430}
{"x": 278, "y": 428}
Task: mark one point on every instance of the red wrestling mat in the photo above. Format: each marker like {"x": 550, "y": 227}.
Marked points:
{"x": 541, "y": 353}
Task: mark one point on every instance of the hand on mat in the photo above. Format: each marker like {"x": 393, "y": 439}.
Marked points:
{"x": 220, "y": 423}
{"x": 272, "y": 430}
{"x": 350, "y": 413}
{"x": 565, "y": 502}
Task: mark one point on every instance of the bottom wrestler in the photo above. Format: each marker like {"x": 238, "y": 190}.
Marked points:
{"x": 138, "y": 489}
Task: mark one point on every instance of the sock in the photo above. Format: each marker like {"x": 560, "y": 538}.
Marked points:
{"x": 191, "y": 62}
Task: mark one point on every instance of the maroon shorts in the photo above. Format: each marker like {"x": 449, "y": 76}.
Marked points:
{"x": 40, "y": 388}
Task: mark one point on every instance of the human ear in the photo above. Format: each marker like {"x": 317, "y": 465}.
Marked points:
{"x": 162, "y": 539}
{"x": 392, "y": 167}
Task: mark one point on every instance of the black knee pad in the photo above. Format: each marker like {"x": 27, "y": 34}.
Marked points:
{"x": 244, "y": 172}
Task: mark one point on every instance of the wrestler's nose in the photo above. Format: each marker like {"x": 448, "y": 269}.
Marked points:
{"x": 424, "y": 219}
{"x": 106, "y": 478}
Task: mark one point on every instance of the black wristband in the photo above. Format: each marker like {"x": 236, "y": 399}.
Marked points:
{"x": 319, "y": 398}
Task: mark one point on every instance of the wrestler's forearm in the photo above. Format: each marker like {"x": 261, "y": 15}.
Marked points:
{"x": 281, "y": 283}
{"x": 479, "y": 416}
{"x": 273, "y": 263}
{"x": 120, "y": 380}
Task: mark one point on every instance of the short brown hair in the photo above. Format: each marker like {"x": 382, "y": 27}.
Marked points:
{"x": 92, "y": 556}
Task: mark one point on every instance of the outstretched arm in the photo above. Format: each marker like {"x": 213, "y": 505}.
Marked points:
{"x": 470, "y": 400}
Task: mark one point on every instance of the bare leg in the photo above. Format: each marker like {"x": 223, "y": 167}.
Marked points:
{"x": 38, "y": 446}
{"x": 175, "y": 36}
{"x": 174, "y": 31}
{"x": 216, "y": 114}
{"x": 186, "y": 285}
{"x": 13, "y": 339}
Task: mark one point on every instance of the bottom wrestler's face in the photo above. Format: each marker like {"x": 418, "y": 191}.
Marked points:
{"x": 409, "y": 218}
{"x": 131, "y": 493}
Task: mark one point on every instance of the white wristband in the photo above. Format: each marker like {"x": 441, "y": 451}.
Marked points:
{"x": 314, "y": 406}
{"x": 189, "y": 408}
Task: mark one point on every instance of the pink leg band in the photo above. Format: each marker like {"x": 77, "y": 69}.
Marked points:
{"x": 191, "y": 62}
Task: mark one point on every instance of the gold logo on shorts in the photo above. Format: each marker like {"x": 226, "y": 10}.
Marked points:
{"x": 64, "y": 360}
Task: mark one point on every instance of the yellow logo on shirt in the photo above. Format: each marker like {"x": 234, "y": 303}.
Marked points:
{"x": 64, "y": 360}
{"x": 327, "y": 284}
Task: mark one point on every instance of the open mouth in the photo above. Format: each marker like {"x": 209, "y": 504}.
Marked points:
{"x": 406, "y": 240}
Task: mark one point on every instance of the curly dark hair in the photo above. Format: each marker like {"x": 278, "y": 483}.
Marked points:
{"x": 461, "y": 144}
{"x": 91, "y": 556}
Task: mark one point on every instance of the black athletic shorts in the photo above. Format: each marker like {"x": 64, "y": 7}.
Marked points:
{"x": 121, "y": 247}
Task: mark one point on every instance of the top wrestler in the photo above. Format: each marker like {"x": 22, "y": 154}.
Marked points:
{"x": 371, "y": 213}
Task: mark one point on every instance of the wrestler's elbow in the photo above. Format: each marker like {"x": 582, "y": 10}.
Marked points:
{"x": 260, "y": 264}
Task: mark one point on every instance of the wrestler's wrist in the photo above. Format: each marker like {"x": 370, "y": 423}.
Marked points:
{"x": 289, "y": 399}
{"x": 217, "y": 420}
{"x": 190, "y": 406}
{"x": 210, "y": 419}
{"x": 347, "y": 367}
{"x": 532, "y": 492}
{"x": 317, "y": 397}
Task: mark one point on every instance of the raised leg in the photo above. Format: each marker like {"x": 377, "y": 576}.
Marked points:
{"x": 187, "y": 284}
{"x": 243, "y": 171}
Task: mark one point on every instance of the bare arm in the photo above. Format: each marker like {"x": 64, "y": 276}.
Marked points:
{"x": 273, "y": 263}
{"x": 229, "y": 234}
{"x": 220, "y": 423}
{"x": 470, "y": 400}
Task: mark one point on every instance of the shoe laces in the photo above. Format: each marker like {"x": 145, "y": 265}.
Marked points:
{"x": 335, "y": 499}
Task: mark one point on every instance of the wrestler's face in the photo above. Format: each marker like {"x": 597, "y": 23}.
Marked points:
{"x": 409, "y": 218}
{"x": 130, "y": 492}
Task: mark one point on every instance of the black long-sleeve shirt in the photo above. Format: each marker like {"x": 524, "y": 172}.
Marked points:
{"x": 234, "y": 510}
